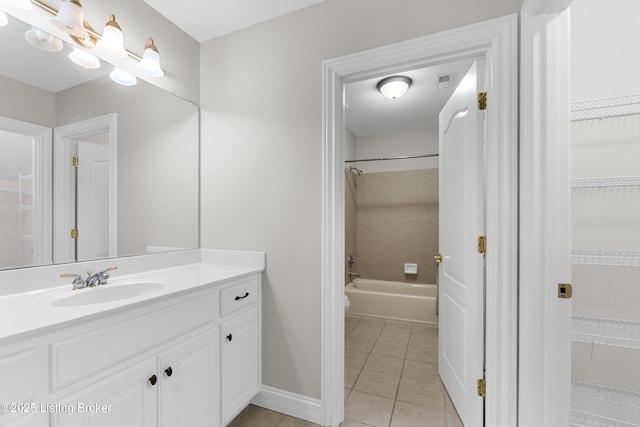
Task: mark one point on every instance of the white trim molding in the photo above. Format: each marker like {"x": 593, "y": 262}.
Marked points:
{"x": 292, "y": 404}
{"x": 41, "y": 228}
{"x": 63, "y": 183}
{"x": 496, "y": 41}
{"x": 544, "y": 354}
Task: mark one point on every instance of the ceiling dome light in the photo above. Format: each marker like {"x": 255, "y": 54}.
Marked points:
{"x": 150, "y": 63}
{"x": 43, "y": 40}
{"x": 394, "y": 87}
{"x": 122, "y": 77}
{"x": 4, "y": 19}
{"x": 70, "y": 18}
{"x": 112, "y": 40}
{"x": 84, "y": 59}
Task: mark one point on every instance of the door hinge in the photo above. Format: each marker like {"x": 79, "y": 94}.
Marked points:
{"x": 74, "y": 233}
{"x": 482, "y": 244}
{"x": 482, "y": 387}
{"x": 74, "y": 161}
{"x": 482, "y": 100}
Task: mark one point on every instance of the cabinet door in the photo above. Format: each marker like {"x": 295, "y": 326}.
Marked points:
{"x": 188, "y": 375}
{"x": 240, "y": 358}
{"x": 126, "y": 399}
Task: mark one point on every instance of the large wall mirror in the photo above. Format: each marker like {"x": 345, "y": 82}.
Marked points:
{"x": 89, "y": 169}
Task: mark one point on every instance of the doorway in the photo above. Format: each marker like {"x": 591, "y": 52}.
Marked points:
{"x": 391, "y": 238}
{"x": 490, "y": 40}
{"x": 85, "y": 188}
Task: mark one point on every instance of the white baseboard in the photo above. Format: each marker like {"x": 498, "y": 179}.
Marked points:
{"x": 294, "y": 405}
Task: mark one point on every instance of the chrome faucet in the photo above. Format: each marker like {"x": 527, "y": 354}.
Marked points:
{"x": 99, "y": 278}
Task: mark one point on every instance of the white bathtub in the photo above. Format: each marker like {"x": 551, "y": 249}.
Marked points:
{"x": 393, "y": 300}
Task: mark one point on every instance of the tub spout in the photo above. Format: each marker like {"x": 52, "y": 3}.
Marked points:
{"x": 353, "y": 274}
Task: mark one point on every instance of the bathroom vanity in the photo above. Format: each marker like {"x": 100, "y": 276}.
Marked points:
{"x": 176, "y": 346}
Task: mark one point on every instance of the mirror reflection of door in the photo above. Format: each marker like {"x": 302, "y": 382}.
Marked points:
{"x": 92, "y": 197}
{"x": 85, "y": 184}
{"x": 25, "y": 194}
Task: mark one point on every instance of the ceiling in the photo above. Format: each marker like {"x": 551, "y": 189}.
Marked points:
{"x": 369, "y": 113}
{"x": 206, "y": 19}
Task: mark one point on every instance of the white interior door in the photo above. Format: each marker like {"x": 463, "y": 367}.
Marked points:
{"x": 461, "y": 274}
{"x": 94, "y": 182}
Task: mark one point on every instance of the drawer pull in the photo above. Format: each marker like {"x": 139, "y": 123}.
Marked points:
{"x": 169, "y": 371}
{"x": 242, "y": 297}
{"x": 153, "y": 380}
{"x": 229, "y": 337}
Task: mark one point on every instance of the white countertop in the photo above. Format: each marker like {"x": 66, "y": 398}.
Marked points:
{"x": 24, "y": 313}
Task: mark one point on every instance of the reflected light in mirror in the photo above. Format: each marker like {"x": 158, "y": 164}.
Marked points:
{"x": 84, "y": 59}
{"x": 122, "y": 77}
{"x": 112, "y": 41}
{"x": 23, "y": 4}
{"x": 70, "y": 18}
{"x": 43, "y": 40}
{"x": 4, "y": 20}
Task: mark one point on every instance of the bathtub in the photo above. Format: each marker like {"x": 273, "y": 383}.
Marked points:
{"x": 393, "y": 300}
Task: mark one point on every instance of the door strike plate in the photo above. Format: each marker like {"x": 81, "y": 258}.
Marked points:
{"x": 564, "y": 290}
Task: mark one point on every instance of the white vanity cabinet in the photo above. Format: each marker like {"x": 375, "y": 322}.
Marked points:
{"x": 175, "y": 388}
{"x": 239, "y": 347}
{"x": 163, "y": 363}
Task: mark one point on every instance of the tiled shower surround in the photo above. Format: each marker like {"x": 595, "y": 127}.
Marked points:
{"x": 395, "y": 215}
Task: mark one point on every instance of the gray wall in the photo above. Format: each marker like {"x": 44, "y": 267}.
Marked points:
{"x": 261, "y": 99}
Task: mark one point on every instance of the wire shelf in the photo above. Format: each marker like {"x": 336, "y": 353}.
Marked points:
{"x": 608, "y": 181}
{"x": 598, "y": 405}
{"x": 609, "y": 258}
{"x": 604, "y": 331}
{"x": 604, "y": 108}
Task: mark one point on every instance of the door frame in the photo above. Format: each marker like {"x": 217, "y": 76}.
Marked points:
{"x": 495, "y": 40}
{"x": 544, "y": 351}
{"x": 42, "y": 185}
{"x": 63, "y": 183}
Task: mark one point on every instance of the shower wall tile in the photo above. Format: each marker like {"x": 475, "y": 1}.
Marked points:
{"x": 396, "y": 223}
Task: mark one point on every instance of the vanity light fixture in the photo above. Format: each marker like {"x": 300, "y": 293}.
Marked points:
{"x": 70, "y": 18}
{"x": 43, "y": 40}
{"x": 4, "y": 19}
{"x": 84, "y": 59}
{"x": 122, "y": 77}
{"x": 150, "y": 64}
{"x": 112, "y": 40}
{"x": 394, "y": 87}
{"x": 22, "y": 4}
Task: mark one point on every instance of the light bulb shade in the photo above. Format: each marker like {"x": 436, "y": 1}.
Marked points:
{"x": 43, "y": 40}
{"x": 122, "y": 77}
{"x": 150, "y": 64}
{"x": 70, "y": 18}
{"x": 4, "y": 19}
{"x": 394, "y": 87}
{"x": 84, "y": 59}
{"x": 22, "y": 4}
{"x": 112, "y": 41}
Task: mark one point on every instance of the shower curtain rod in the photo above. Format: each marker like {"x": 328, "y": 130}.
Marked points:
{"x": 392, "y": 158}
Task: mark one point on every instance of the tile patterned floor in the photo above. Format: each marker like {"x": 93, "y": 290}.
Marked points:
{"x": 391, "y": 380}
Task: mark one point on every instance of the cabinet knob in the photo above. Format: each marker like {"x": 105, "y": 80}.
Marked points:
{"x": 229, "y": 337}
{"x": 153, "y": 380}
{"x": 242, "y": 297}
{"x": 169, "y": 371}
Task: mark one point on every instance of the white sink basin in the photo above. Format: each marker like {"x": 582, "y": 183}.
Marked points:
{"x": 106, "y": 293}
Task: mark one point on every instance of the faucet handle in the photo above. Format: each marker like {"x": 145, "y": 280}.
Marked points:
{"x": 78, "y": 281}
